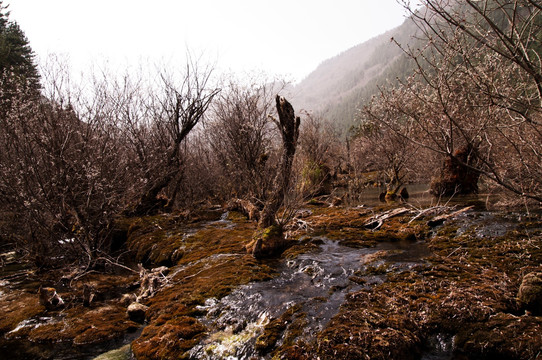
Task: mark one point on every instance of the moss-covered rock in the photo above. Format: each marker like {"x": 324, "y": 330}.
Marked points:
{"x": 124, "y": 353}
{"x": 530, "y": 293}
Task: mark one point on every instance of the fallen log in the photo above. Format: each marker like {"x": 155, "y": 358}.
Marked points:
{"x": 375, "y": 222}
{"x": 438, "y": 220}
{"x": 245, "y": 207}
{"x": 438, "y": 209}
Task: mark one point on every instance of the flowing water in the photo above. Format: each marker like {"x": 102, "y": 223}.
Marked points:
{"x": 314, "y": 283}
{"x": 309, "y": 291}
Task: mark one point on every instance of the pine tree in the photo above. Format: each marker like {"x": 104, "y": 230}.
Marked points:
{"x": 17, "y": 65}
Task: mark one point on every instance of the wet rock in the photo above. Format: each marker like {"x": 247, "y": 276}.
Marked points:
{"x": 530, "y": 293}
{"x": 136, "y": 312}
{"x": 49, "y": 298}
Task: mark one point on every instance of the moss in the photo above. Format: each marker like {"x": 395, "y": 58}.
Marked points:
{"x": 315, "y": 202}
{"x": 170, "y": 340}
{"x": 377, "y": 270}
{"x": 169, "y": 240}
{"x": 503, "y": 336}
{"x": 294, "y": 352}
{"x": 530, "y": 293}
{"x": 348, "y": 226}
{"x": 357, "y": 279}
{"x": 84, "y": 326}
{"x": 300, "y": 248}
{"x": 237, "y": 217}
{"x": 274, "y": 329}
{"x": 213, "y": 277}
{"x": 268, "y": 242}
{"x": 17, "y": 306}
{"x": 104, "y": 286}
{"x": 467, "y": 287}
{"x": 462, "y": 289}
{"x": 151, "y": 242}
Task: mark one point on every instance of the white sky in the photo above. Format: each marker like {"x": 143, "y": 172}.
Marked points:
{"x": 281, "y": 37}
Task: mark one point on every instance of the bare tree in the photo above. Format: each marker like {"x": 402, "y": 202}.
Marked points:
{"x": 57, "y": 173}
{"x": 78, "y": 156}
{"x": 390, "y": 154}
{"x": 242, "y": 141}
{"x": 321, "y": 155}
{"x": 477, "y": 88}
{"x": 174, "y": 113}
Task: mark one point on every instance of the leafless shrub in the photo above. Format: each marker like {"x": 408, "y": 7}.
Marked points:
{"x": 77, "y": 157}
{"x": 242, "y": 140}
{"x": 478, "y": 85}
{"x": 320, "y": 155}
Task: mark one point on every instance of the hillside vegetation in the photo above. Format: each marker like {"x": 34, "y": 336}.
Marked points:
{"x": 339, "y": 86}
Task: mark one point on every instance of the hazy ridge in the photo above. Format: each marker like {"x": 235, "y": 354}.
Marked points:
{"x": 342, "y": 84}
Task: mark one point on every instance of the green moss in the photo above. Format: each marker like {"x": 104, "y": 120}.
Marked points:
{"x": 315, "y": 202}
{"x": 237, "y": 217}
{"x": 269, "y": 232}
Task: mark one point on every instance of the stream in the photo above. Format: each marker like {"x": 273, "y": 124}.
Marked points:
{"x": 315, "y": 283}
{"x": 305, "y": 295}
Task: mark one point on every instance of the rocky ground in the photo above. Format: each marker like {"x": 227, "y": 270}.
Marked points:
{"x": 459, "y": 300}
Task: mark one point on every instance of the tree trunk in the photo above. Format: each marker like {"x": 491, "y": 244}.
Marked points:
{"x": 269, "y": 239}
{"x": 288, "y": 125}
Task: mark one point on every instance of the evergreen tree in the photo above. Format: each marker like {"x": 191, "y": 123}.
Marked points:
{"x": 16, "y": 56}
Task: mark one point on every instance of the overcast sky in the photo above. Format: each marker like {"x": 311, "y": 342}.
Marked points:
{"x": 281, "y": 37}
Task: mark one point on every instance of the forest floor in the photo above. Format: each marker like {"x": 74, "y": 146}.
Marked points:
{"x": 454, "y": 297}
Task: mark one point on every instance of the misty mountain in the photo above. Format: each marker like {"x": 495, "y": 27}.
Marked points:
{"x": 342, "y": 84}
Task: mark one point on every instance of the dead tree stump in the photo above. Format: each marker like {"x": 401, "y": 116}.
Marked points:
{"x": 269, "y": 239}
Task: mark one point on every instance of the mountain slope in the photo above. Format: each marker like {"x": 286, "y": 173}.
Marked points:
{"x": 341, "y": 85}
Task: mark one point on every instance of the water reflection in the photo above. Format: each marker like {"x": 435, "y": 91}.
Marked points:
{"x": 421, "y": 198}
